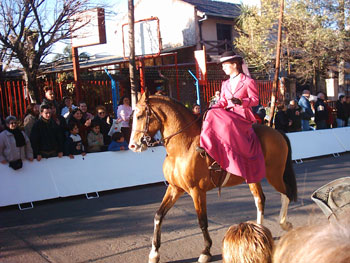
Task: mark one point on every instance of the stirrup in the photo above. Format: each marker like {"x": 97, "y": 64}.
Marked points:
{"x": 201, "y": 151}
{"x": 215, "y": 167}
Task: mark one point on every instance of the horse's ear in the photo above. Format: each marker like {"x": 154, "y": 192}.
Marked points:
{"x": 145, "y": 95}
{"x": 139, "y": 96}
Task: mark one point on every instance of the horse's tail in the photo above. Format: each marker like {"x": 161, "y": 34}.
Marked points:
{"x": 289, "y": 174}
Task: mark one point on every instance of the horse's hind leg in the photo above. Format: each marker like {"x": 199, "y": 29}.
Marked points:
{"x": 259, "y": 199}
{"x": 285, "y": 225}
{"x": 200, "y": 203}
{"x": 172, "y": 194}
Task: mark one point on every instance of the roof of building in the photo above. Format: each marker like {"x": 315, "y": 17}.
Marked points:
{"x": 216, "y": 8}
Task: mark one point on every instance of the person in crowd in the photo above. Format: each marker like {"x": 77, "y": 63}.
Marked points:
{"x": 45, "y": 137}
{"x": 341, "y": 118}
{"x": 68, "y": 107}
{"x": 95, "y": 138}
{"x": 347, "y": 110}
{"x": 321, "y": 243}
{"x": 105, "y": 122}
{"x": 50, "y": 98}
{"x": 118, "y": 142}
{"x": 247, "y": 243}
{"x": 306, "y": 111}
{"x": 124, "y": 113}
{"x": 293, "y": 113}
{"x": 214, "y": 99}
{"x": 84, "y": 109}
{"x": 60, "y": 121}
{"x": 237, "y": 148}
{"x": 73, "y": 144}
{"x": 2, "y": 123}
{"x": 259, "y": 113}
{"x": 196, "y": 110}
{"x": 281, "y": 118}
{"x": 321, "y": 113}
{"x": 14, "y": 145}
{"x": 160, "y": 91}
{"x": 31, "y": 116}
{"x": 76, "y": 116}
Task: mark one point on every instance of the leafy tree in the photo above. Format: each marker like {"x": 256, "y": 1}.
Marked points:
{"x": 29, "y": 28}
{"x": 311, "y": 35}
{"x": 66, "y": 55}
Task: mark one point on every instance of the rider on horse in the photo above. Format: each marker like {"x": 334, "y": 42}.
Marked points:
{"x": 227, "y": 134}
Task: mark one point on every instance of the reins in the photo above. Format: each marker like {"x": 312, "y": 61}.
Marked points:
{"x": 147, "y": 139}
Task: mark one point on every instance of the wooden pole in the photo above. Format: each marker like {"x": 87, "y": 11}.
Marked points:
{"x": 76, "y": 71}
{"x": 277, "y": 66}
{"x": 132, "y": 65}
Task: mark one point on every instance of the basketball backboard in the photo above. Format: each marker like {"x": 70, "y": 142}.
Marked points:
{"x": 88, "y": 28}
{"x": 147, "y": 38}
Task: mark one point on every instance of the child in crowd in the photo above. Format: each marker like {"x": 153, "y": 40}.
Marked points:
{"x": 95, "y": 138}
{"x": 74, "y": 145}
{"x": 118, "y": 142}
{"x": 247, "y": 242}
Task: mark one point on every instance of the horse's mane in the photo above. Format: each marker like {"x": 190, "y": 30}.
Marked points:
{"x": 177, "y": 105}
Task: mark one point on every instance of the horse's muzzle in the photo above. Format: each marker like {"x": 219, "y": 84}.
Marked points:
{"x": 137, "y": 147}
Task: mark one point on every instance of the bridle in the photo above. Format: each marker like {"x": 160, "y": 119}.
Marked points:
{"x": 146, "y": 139}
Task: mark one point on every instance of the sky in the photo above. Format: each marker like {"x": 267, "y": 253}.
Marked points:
{"x": 120, "y": 8}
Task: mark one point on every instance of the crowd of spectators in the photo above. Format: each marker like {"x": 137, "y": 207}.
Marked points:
{"x": 311, "y": 113}
{"x": 53, "y": 130}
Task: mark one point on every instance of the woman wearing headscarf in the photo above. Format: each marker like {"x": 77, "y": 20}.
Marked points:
{"x": 14, "y": 144}
{"x": 227, "y": 134}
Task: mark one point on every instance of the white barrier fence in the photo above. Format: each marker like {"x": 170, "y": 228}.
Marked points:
{"x": 62, "y": 177}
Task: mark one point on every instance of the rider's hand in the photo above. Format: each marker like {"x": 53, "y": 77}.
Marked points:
{"x": 236, "y": 101}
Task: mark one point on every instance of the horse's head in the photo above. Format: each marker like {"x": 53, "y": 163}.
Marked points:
{"x": 145, "y": 124}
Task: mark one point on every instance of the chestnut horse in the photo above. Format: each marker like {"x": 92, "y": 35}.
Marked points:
{"x": 186, "y": 170}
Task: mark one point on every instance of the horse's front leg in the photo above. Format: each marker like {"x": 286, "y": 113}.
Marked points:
{"x": 200, "y": 203}
{"x": 171, "y": 195}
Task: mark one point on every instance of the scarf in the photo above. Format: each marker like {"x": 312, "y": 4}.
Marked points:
{"x": 20, "y": 141}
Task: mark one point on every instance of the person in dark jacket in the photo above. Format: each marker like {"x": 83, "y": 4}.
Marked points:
{"x": 340, "y": 111}
{"x": 73, "y": 144}
{"x": 347, "y": 111}
{"x": 45, "y": 137}
{"x": 306, "y": 111}
{"x": 321, "y": 112}
{"x": 76, "y": 116}
{"x": 103, "y": 119}
{"x": 50, "y": 99}
{"x": 259, "y": 113}
{"x": 293, "y": 113}
{"x": 281, "y": 119}
{"x": 60, "y": 121}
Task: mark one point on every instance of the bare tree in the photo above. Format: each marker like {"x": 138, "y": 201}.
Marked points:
{"x": 29, "y": 29}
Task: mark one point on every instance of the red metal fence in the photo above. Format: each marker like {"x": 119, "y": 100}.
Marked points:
{"x": 14, "y": 99}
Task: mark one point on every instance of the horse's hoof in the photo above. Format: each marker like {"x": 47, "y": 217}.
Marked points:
{"x": 153, "y": 257}
{"x": 204, "y": 258}
{"x": 153, "y": 260}
{"x": 286, "y": 226}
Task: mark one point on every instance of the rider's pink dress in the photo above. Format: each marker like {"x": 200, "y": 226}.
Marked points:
{"x": 227, "y": 134}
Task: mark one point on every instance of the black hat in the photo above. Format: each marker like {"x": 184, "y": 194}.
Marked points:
{"x": 334, "y": 198}
{"x": 228, "y": 56}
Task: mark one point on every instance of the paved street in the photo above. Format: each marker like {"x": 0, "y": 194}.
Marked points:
{"x": 117, "y": 227}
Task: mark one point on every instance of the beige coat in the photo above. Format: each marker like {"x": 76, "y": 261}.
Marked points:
{"x": 9, "y": 151}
